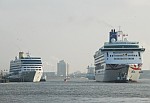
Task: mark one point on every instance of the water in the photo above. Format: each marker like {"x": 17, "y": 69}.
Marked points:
{"x": 75, "y": 91}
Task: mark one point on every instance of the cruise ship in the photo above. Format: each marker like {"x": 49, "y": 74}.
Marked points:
{"x": 118, "y": 60}
{"x": 25, "y": 69}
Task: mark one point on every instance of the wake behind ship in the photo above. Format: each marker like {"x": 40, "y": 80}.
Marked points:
{"x": 118, "y": 60}
{"x": 25, "y": 69}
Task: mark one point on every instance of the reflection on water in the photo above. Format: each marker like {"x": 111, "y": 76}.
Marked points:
{"x": 75, "y": 91}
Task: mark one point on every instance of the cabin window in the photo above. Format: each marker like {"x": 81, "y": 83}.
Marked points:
{"x": 107, "y": 54}
{"x": 139, "y": 54}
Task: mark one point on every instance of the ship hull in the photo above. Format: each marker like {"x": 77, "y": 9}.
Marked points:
{"x": 119, "y": 73}
{"x": 27, "y": 76}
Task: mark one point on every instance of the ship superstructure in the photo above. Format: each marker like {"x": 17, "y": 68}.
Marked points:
{"x": 90, "y": 73}
{"x": 118, "y": 60}
{"x": 26, "y": 68}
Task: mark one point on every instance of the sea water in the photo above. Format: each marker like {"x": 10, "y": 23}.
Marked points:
{"x": 75, "y": 91}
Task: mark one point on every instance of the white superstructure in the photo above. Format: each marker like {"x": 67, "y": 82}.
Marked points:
{"x": 26, "y": 69}
{"x": 118, "y": 60}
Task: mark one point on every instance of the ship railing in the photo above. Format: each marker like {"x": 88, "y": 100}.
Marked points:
{"x": 118, "y": 42}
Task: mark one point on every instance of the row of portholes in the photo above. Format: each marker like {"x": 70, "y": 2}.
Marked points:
{"x": 32, "y": 69}
{"x": 121, "y": 55}
{"x": 123, "y": 58}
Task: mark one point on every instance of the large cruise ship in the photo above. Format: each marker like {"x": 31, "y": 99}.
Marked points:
{"x": 25, "y": 69}
{"x": 118, "y": 60}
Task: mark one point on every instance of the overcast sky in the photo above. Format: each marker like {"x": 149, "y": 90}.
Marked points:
{"x": 72, "y": 30}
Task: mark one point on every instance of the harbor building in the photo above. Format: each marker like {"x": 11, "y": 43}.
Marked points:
{"x": 62, "y": 68}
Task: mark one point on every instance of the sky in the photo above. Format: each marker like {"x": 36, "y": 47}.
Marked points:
{"x": 70, "y": 30}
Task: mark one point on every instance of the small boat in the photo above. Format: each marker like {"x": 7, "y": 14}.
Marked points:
{"x": 43, "y": 78}
{"x": 66, "y": 79}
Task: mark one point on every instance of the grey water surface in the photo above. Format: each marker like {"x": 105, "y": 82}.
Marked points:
{"x": 75, "y": 91}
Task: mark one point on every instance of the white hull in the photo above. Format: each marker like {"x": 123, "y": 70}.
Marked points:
{"x": 119, "y": 73}
{"x": 27, "y": 76}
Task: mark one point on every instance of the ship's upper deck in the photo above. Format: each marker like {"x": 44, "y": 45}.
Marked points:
{"x": 25, "y": 60}
{"x": 118, "y": 44}
{"x": 121, "y": 44}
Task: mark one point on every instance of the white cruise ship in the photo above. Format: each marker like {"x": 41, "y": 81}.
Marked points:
{"x": 118, "y": 60}
{"x": 25, "y": 69}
